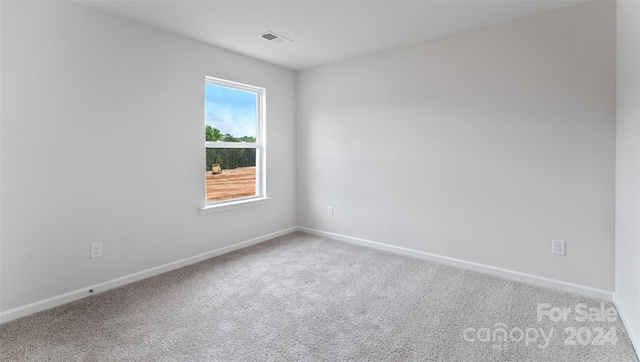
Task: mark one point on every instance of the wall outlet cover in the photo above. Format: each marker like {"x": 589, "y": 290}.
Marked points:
{"x": 558, "y": 247}
{"x": 96, "y": 250}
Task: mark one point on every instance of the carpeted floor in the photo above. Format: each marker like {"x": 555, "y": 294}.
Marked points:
{"x": 303, "y": 297}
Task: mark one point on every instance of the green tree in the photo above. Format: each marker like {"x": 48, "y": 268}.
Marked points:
{"x": 247, "y": 139}
{"x": 228, "y": 158}
{"x": 229, "y": 138}
{"x": 213, "y": 134}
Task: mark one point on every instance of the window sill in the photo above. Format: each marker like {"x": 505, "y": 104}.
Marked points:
{"x": 209, "y": 209}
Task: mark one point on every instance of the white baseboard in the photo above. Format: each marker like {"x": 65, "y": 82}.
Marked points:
{"x": 48, "y": 303}
{"x": 55, "y": 301}
{"x": 505, "y": 273}
{"x": 635, "y": 341}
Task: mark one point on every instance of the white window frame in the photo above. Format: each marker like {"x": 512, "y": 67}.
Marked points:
{"x": 260, "y": 147}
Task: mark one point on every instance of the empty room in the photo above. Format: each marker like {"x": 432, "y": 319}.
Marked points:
{"x": 320, "y": 180}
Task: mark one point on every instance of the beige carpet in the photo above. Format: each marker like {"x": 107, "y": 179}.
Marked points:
{"x": 303, "y": 297}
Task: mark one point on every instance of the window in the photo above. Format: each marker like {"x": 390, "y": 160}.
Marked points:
{"x": 234, "y": 142}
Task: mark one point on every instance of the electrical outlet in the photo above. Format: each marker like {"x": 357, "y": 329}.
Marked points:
{"x": 330, "y": 212}
{"x": 96, "y": 250}
{"x": 558, "y": 247}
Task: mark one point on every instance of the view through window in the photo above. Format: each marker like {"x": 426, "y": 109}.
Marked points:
{"x": 233, "y": 125}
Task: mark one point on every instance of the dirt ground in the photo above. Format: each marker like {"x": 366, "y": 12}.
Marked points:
{"x": 238, "y": 182}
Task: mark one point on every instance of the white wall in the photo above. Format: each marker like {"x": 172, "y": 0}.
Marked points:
{"x": 627, "y": 287}
{"x": 482, "y": 146}
{"x": 0, "y": 158}
{"x": 102, "y": 140}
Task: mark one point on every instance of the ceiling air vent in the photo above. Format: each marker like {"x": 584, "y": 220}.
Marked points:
{"x": 275, "y": 38}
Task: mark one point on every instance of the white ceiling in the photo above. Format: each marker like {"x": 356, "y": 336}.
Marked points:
{"x": 322, "y": 31}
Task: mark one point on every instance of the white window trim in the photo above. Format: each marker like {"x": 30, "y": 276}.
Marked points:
{"x": 235, "y": 204}
{"x": 221, "y": 144}
{"x": 260, "y": 146}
